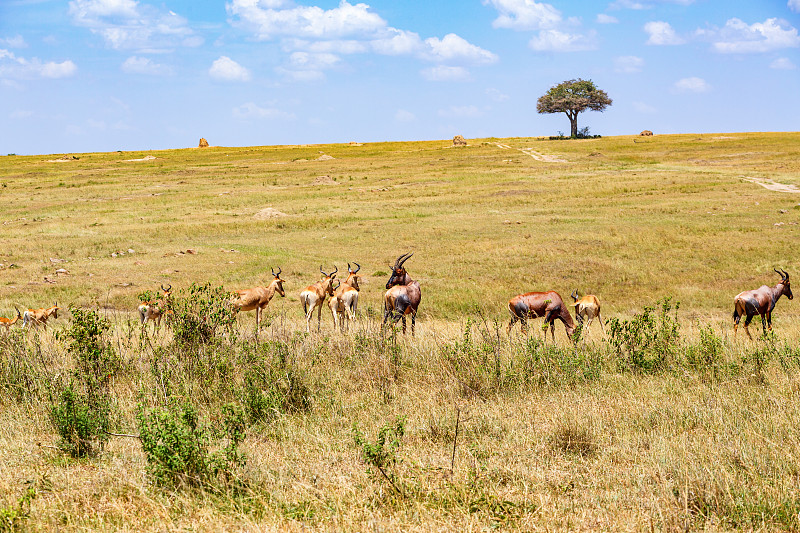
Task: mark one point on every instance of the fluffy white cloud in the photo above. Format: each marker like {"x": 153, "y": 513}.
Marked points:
{"x": 454, "y": 48}
{"x": 738, "y": 37}
{"x": 628, "y": 64}
{"x": 251, "y": 110}
{"x": 783, "y": 63}
{"x": 129, "y": 24}
{"x": 445, "y": 73}
{"x": 525, "y": 15}
{"x": 794, "y": 5}
{"x": 13, "y": 67}
{"x": 602, "y": 18}
{"x": 227, "y": 69}
{"x": 692, "y": 85}
{"x": 404, "y": 116}
{"x": 13, "y": 42}
{"x": 661, "y": 33}
{"x": 143, "y": 65}
{"x": 558, "y": 41}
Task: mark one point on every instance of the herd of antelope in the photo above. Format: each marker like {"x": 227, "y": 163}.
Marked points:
{"x": 403, "y": 295}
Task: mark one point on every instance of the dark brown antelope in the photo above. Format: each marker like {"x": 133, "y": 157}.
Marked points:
{"x": 760, "y": 301}
{"x": 344, "y": 301}
{"x": 258, "y": 297}
{"x": 314, "y": 296}
{"x": 39, "y": 317}
{"x": 587, "y": 307}
{"x": 403, "y": 295}
{"x": 154, "y": 310}
{"x": 8, "y": 322}
{"x": 535, "y": 304}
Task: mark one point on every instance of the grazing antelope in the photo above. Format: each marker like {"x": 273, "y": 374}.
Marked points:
{"x": 7, "y": 322}
{"x": 762, "y": 301}
{"x": 154, "y": 310}
{"x": 314, "y": 296}
{"x": 345, "y": 298}
{"x": 403, "y": 295}
{"x": 35, "y": 317}
{"x": 258, "y": 297}
{"x": 535, "y": 304}
{"x": 588, "y": 307}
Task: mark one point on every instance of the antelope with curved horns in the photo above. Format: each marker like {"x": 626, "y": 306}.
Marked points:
{"x": 344, "y": 301}
{"x": 402, "y": 296}
{"x": 314, "y": 296}
{"x": 588, "y": 307}
{"x": 8, "y": 322}
{"x": 760, "y": 301}
{"x": 258, "y": 297}
{"x": 35, "y": 317}
{"x": 535, "y": 304}
{"x": 154, "y": 310}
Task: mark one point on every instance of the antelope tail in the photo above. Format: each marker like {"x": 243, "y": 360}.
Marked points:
{"x": 305, "y": 303}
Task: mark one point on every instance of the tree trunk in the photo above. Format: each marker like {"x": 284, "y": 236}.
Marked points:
{"x": 573, "y": 124}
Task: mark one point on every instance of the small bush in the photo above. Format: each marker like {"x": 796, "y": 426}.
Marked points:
{"x": 706, "y": 356}
{"x": 648, "y": 342}
{"x": 382, "y": 455}
{"x": 12, "y": 518}
{"x": 81, "y": 423}
{"x": 200, "y": 314}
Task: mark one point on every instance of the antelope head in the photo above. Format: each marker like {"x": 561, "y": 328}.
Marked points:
{"x": 165, "y": 292}
{"x": 574, "y": 295}
{"x": 787, "y": 289}
{"x": 398, "y": 272}
{"x": 278, "y": 282}
{"x": 353, "y": 276}
{"x": 327, "y": 283}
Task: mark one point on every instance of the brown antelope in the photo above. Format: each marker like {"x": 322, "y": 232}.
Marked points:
{"x": 587, "y": 307}
{"x": 258, "y": 297}
{"x": 314, "y": 296}
{"x": 154, "y": 310}
{"x": 402, "y": 296}
{"x": 344, "y": 301}
{"x": 535, "y": 304}
{"x": 8, "y": 322}
{"x": 35, "y": 317}
{"x": 760, "y": 301}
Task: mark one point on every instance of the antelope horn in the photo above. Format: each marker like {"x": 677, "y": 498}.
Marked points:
{"x": 274, "y": 274}
{"x": 18, "y": 313}
{"x": 356, "y": 264}
{"x": 335, "y": 270}
{"x": 404, "y": 260}
{"x": 782, "y": 275}
{"x": 323, "y": 272}
{"x": 785, "y": 273}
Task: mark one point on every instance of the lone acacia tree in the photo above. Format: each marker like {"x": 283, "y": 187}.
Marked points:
{"x": 572, "y": 97}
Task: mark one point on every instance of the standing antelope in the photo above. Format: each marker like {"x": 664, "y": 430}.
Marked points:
{"x": 589, "y": 307}
{"x": 403, "y": 295}
{"x": 345, "y": 298}
{"x": 35, "y": 317}
{"x": 535, "y": 304}
{"x": 314, "y": 296}
{"x": 7, "y": 322}
{"x": 762, "y": 301}
{"x": 258, "y": 297}
{"x": 154, "y": 310}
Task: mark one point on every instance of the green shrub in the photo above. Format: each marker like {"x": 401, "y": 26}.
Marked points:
{"x": 81, "y": 423}
{"x": 706, "y": 356}
{"x": 382, "y": 455}
{"x": 12, "y": 518}
{"x": 200, "y": 314}
{"x": 647, "y": 342}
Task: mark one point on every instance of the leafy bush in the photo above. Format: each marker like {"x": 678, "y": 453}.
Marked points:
{"x": 382, "y": 455}
{"x": 706, "y": 356}
{"x": 273, "y": 385}
{"x": 81, "y": 423}
{"x": 200, "y": 314}
{"x": 11, "y": 518}
{"x": 647, "y": 342}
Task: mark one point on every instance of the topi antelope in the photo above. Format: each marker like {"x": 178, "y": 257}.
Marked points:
{"x": 8, "y": 322}
{"x": 35, "y": 317}
{"x": 258, "y": 297}
{"x": 403, "y": 295}
{"x": 535, "y": 304}
{"x": 154, "y": 310}
{"x": 314, "y": 296}
{"x": 587, "y": 307}
{"x": 344, "y": 301}
{"x": 760, "y": 301}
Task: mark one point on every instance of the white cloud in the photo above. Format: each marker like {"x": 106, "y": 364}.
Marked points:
{"x": 398, "y": 42}
{"x": 738, "y": 37}
{"x": 496, "y": 95}
{"x": 692, "y": 85}
{"x": 628, "y": 64}
{"x": 227, "y": 69}
{"x": 783, "y": 63}
{"x": 143, "y": 65}
{"x": 794, "y": 5}
{"x": 251, "y": 110}
{"x": 602, "y": 18}
{"x": 454, "y": 48}
{"x": 525, "y": 15}
{"x": 311, "y": 61}
{"x": 558, "y": 41}
{"x": 641, "y": 107}
{"x": 445, "y": 73}
{"x": 649, "y": 4}
{"x": 13, "y": 67}
{"x": 404, "y": 116}
{"x": 468, "y": 111}
{"x": 129, "y": 24}
{"x": 661, "y": 33}
{"x": 14, "y": 42}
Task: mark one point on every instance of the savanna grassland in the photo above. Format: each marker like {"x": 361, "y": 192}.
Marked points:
{"x": 668, "y": 422}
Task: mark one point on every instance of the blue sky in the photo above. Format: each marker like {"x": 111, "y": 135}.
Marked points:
{"x": 105, "y": 75}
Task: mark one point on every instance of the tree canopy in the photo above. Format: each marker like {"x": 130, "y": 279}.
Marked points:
{"x": 572, "y": 97}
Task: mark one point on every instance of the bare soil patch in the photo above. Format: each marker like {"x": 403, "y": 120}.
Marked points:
{"x": 772, "y": 185}
{"x": 268, "y": 213}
